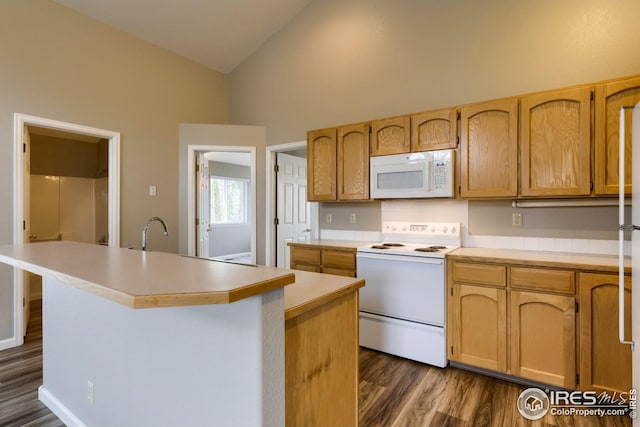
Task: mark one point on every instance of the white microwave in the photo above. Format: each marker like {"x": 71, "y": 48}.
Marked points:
{"x": 412, "y": 175}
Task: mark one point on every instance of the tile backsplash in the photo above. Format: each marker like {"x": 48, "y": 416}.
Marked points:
{"x": 450, "y": 210}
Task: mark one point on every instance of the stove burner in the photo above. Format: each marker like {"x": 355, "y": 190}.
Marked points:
{"x": 380, "y": 247}
{"x": 429, "y": 249}
{"x": 437, "y": 247}
{"x": 392, "y": 244}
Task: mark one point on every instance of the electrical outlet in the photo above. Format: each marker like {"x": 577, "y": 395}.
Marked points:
{"x": 329, "y": 218}
{"x": 516, "y": 219}
{"x": 90, "y": 393}
{"x": 152, "y": 190}
{"x": 352, "y": 218}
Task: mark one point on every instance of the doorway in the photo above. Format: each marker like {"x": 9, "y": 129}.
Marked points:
{"x": 222, "y": 202}
{"x": 286, "y": 200}
{"x": 22, "y": 183}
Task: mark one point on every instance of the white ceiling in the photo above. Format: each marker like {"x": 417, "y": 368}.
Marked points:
{"x": 233, "y": 157}
{"x": 217, "y": 33}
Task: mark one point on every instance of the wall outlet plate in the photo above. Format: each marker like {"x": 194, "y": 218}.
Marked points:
{"x": 516, "y": 219}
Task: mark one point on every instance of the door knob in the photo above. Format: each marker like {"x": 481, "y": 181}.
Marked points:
{"x": 307, "y": 230}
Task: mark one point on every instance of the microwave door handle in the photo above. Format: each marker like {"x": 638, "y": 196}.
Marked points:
{"x": 429, "y": 174}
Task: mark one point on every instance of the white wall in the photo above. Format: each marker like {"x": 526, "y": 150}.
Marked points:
{"x": 66, "y": 207}
{"x": 227, "y": 239}
{"x": 59, "y": 64}
{"x": 219, "y": 365}
{"x": 343, "y": 61}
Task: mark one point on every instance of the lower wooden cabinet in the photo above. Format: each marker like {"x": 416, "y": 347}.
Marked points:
{"x": 478, "y": 326}
{"x": 543, "y": 337}
{"x": 310, "y": 257}
{"x": 557, "y": 326}
{"x": 605, "y": 364}
{"x": 321, "y": 365}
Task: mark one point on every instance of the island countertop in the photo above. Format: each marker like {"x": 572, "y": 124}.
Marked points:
{"x": 312, "y": 290}
{"x": 140, "y": 279}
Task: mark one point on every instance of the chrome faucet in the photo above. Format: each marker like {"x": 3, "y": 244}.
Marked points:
{"x": 146, "y": 227}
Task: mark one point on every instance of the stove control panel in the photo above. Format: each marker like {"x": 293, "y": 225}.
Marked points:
{"x": 442, "y": 229}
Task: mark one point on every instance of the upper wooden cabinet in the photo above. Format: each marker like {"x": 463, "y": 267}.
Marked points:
{"x": 556, "y": 143}
{"x": 391, "y": 136}
{"x": 489, "y": 149}
{"x": 434, "y": 130}
{"x": 609, "y": 98}
{"x": 321, "y": 164}
{"x": 353, "y": 162}
{"x": 338, "y": 163}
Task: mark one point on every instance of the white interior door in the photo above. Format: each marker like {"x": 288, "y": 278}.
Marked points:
{"x": 26, "y": 201}
{"x": 204, "y": 206}
{"x": 292, "y": 207}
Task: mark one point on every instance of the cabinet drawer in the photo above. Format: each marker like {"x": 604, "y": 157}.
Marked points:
{"x": 339, "y": 272}
{"x": 307, "y": 256}
{"x": 485, "y": 274}
{"x": 337, "y": 259}
{"x": 563, "y": 281}
{"x": 306, "y": 267}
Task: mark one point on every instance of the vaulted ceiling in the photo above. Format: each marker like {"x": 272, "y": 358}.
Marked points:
{"x": 217, "y": 33}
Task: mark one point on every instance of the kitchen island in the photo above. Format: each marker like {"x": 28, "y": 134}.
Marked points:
{"x": 143, "y": 338}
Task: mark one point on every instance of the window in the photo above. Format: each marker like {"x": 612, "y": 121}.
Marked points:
{"x": 228, "y": 200}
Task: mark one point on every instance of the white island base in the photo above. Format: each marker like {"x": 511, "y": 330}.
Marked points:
{"x": 105, "y": 364}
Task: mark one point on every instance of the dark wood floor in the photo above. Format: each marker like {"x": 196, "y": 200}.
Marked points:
{"x": 20, "y": 377}
{"x": 394, "y": 392}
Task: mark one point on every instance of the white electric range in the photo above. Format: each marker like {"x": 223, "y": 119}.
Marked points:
{"x": 402, "y": 306}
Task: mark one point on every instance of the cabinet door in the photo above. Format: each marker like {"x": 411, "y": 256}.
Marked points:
{"x": 434, "y": 130}
{"x": 391, "y": 136}
{"x": 543, "y": 338}
{"x": 353, "y": 162}
{"x": 489, "y": 149}
{"x": 478, "y": 326}
{"x": 321, "y": 164}
{"x": 605, "y": 364}
{"x": 609, "y": 98}
{"x": 556, "y": 141}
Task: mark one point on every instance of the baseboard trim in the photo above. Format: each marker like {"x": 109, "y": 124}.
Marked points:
{"x": 60, "y": 411}
{"x": 8, "y": 343}
{"x": 503, "y": 376}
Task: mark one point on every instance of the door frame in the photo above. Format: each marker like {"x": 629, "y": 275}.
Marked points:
{"x": 270, "y": 200}
{"x": 20, "y": 122}
{"x": 191, "y": 192}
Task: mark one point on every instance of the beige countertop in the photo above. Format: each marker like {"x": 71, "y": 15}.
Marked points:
{"x": 144, "y": 279}
{"x": 587, "y": 262}
{"x": 312, "y": 290}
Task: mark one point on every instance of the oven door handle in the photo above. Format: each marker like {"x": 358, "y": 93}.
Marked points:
{"x": 401, "y": 258}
